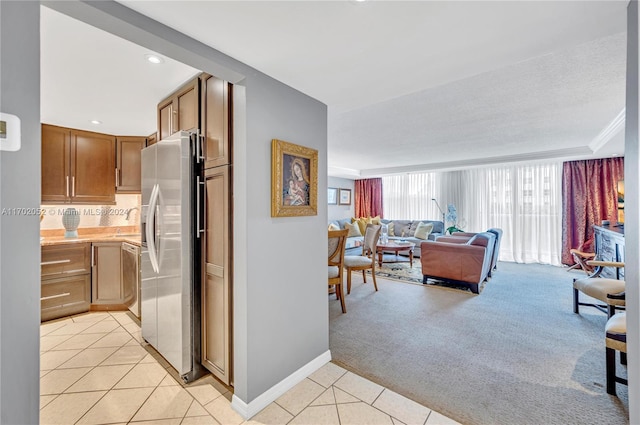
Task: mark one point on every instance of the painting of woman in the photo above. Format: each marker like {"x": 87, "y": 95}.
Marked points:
{"x": 297, "y": 181}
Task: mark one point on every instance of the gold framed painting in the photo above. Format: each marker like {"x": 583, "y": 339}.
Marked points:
{"x": 294, "y": 180}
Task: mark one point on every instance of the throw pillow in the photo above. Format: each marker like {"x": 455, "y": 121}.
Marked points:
{"x": 390, "y": 229}
{"x": 423, "y": 230}
{"x": 375, "y": 220}
{"x": 353, "y": 229}
{"x": 334, "y": 226}
{"x": 362, "y": 223}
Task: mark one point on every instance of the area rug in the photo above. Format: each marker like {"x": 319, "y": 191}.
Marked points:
{"x": 400, "y": 269}
{"x": 516, "y": 354}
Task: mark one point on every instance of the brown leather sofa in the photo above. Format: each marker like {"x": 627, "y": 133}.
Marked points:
{"x": 458, "y": 259}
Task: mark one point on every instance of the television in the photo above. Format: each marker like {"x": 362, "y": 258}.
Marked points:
{"x": 620, "y": 201}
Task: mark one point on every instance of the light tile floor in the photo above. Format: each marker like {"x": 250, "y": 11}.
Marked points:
{"x": 96, "y": 369}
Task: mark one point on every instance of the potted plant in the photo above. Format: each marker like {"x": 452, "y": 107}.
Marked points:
{"x": 452, "y": 217}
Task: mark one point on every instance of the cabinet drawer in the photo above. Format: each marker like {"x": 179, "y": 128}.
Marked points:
{"x": 64, "y": 296}
{"x": 65, "y": 260}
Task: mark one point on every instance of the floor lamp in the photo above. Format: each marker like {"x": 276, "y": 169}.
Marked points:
{"x": 438, "y": 205}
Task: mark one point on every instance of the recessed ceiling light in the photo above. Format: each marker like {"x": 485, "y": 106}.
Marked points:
{"x": 155, "y": 59}
{"x": 96, "y": 122}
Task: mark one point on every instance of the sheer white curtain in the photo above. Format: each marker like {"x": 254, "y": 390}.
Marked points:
{"x": 525, "y": 201}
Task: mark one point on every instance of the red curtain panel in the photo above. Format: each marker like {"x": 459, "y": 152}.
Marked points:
{"x": 589, "y": 195}
{"x": 368, "y": 198}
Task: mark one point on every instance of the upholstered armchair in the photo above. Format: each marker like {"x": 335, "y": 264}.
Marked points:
{"x": 463, "y": 237}
{"x": 457, "y": 260}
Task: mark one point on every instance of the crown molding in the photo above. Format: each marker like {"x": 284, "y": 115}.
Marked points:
{"x": 558, "y": 154}
{"x": 609, "y": 132}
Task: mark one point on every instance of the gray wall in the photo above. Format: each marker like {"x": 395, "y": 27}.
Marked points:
{"x": 19, "y": 234}
{"x": 336, "y": 212}
{"x": 632, "y": 212}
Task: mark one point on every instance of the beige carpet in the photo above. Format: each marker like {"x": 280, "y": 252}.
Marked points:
{"x": 515, "y": 354}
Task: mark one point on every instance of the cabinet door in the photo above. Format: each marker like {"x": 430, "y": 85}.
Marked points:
{"x": 55, "y": 164}
{"x": 106, "y": 275}
{"x": 215, "y": 121}
{"x": 165, "y": 119}
{"x": 152, "y": 139}
{"x": 216, "y": 286}
{"x": 93, "y": 164}
{"x": 187, "y": 105}
{"x": 65, "y": 260}
{"x": 128, "y": 164}
{"x": 180, "y": 110}
{"x": 64, "y": 296}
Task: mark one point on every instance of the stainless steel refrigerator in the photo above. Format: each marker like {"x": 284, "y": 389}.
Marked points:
{"x": 170, "y": 257}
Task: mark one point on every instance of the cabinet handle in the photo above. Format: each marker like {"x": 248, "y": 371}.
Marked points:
{"x": 49, "y": 263}
{"x": 50, "y": 297}
{"x": 67, "y": 184}
{"x": 73, "y": 186}
{"x": 174, "y": 116}
{"x": 117, "y": 179}
{"x": 92, "y": 256}
{"x": 198, "y": 212}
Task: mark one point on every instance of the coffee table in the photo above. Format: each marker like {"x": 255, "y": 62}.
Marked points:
{"x": 396, "y": 247}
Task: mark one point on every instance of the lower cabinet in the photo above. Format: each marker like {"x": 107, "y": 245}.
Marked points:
{"x": 106, "y": 273}
{"x": 65, "y": 283}
{"x": 77, "y": 277}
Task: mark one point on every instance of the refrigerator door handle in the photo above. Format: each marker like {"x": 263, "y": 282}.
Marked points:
{"x": 150, "y": 229}
{"x": 199, "y": 139}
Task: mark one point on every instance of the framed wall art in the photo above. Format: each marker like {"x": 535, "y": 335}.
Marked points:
{"x": 345, "y": 196}
{"x": 294, "y": 180}
{"x": 332, "y": 196}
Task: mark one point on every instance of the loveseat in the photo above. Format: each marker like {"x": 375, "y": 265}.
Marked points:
{"x": 458, "y": 260}
{"x": 399, "y": 230}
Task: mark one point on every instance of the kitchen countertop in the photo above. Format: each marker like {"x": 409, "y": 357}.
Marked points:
{"x": 133, "y": 239}
{"x": 129, "y": 234}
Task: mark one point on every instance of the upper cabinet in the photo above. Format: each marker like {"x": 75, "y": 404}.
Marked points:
{"x": 215, "y": 121}
{"x": 180, "y": 110}
{"x": 203, "y": 104}
{"x": 152, "y": 139}
{"x": 128, "y": 163}
{"x": 77, "y": 166}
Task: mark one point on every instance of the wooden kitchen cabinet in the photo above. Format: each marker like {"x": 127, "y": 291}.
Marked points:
{"x": 65, "y": 283}
{"x": 216, "y": 286}
{"x": 77, "y": 166}
{"x": 106, "y": 273}
{"x": 152, "y": 139}
{"x": 216, "y": 121}
{"x": 128, "y": 163}
{"x": 180, "y": 110}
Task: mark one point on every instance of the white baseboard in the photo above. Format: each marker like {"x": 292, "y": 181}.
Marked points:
{"x": 247, "y": 411}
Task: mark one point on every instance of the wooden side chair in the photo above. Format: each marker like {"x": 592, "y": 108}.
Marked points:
{"x": 337, "y": 242}
{"x": 581, "y": 259}
{"x": 615, "y": 340}
{"x": 367, "y": 260}
{"x": 610, "y": 292}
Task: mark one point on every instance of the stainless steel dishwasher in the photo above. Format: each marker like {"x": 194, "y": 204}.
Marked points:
{"x": 130, "y": 277}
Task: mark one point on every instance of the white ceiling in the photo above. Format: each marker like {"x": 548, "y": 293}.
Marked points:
{"x": 409, "y": 85}
{"x": 88, "y": 74}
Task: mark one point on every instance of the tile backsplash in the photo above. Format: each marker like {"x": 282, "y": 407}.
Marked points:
{"x": 126, "y": 212}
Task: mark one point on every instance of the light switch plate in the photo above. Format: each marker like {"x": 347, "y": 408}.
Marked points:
{"x": 9, "y": 132}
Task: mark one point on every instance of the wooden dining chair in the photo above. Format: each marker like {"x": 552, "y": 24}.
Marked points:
{"x": 367, "y": 260}
{"x": 337, "y": 242}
